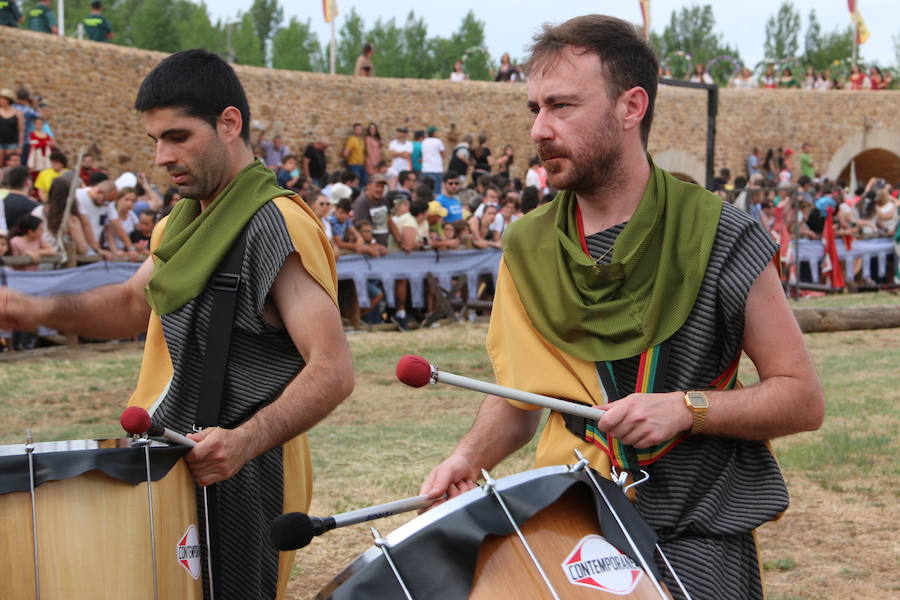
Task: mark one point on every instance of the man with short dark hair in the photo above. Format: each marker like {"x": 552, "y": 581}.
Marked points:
{"x": 44, "y": 179}
{"x": 87, "y": 168}
{"x": 14, "y": 194}
{"x": 287, "y": 365}
{"x": 371, "y": 206}
{"x": 448, "y": 198}
{"x": 406, "y": 183}
{"x": 315, "y": 163}
{"x": 96, "y": 26}
{"x": 630, "y": 271}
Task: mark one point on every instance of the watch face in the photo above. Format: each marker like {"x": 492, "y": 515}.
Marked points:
{"x": 698, "y": 400}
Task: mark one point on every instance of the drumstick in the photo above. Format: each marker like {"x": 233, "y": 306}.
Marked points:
{"x": 296, "y": 530}
{"x": 136, "y": 421}
{"x": 415, "y": 371}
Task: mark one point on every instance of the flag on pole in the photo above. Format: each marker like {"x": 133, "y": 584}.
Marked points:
{"x": 329, "y": 8}
{"x": 831, "y": 266}
{"x": 645, "y": 12}
{"x": 862, "y": 32}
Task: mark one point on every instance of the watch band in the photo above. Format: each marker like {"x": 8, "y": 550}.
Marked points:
{"x": 698, "y": 404}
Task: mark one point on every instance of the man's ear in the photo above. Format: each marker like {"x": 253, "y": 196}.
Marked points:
{"x": 634, "y": 104}
{"x": 230, "y": 124}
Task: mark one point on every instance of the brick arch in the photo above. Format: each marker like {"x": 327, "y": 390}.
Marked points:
{"x": 873, "y": 139}
{"x": 681, "y": 162}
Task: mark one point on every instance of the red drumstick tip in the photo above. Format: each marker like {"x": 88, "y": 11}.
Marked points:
{"x": 413, "y": 370}
{"x": 135, "y": 420}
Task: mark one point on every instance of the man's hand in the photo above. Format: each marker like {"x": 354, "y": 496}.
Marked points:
{"x": 219, "y": 454}
{"x": 645, "y": 420}
{"x": 454, "y": 476}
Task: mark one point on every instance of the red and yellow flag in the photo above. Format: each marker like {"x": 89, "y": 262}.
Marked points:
{"x": 862, "y": 32}
{"x": 329, "y": 8}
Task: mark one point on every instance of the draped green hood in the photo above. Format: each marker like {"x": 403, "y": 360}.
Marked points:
{"x": 615, "y": 311}
{"x": 196, "y": 241}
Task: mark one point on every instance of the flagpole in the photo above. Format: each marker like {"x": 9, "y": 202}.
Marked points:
{"x": 333, "y": 45}
{"x": 61, "y": 11}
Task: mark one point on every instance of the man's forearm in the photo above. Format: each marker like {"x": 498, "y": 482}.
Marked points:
{"x": 104, "y": 313}
{"x": 499, "y": 430}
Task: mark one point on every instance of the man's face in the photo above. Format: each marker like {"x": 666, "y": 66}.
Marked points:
{"x": 508, "y": 210}
{"x": 401, "y": 136}
{"x": 87, "y": 162}
{"x": 14, "y": 160}
{"x": 357, "y": 130}
{"x": 410, "y": 183}
{"x": 365, "y": 232}
{"x": 190, "y": 150}
{"x": 576, "y": 127}
{"x": 276, "y": 142}
{"x": 375, "y": 190}
{"x": 451, "y": 186}
{"x": 491, "y": 197}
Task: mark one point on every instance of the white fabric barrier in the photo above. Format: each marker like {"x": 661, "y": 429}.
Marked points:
{"x": 355, "y": 267}
{"x": 813, "y": 251}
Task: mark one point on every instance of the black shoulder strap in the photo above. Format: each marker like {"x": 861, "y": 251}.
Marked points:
{"x": 224, "y": 284}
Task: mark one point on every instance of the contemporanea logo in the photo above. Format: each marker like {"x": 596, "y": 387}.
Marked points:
{"x": 188, "y": 551}
{"x": 597, "y": 564}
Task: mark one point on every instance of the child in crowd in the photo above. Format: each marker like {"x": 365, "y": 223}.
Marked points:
{"x": 118, "y": 233}
{"x": 343, "y": 234}
{"x": 41, "y": 145}
{"x": 140, "y": 236}
{"x": 28, "y": 239}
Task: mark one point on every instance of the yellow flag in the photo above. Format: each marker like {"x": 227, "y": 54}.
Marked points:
{"x": 329, "y": 7}
{"x": 862, "y": 32}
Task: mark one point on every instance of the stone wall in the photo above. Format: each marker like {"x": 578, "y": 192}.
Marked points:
{"x": 91, "y": 89}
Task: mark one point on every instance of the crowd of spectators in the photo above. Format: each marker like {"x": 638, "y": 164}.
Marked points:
{"x": 772, "y": 77}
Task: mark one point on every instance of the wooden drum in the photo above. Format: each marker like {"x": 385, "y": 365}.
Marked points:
{"x": 93, "y": 523}
{"x": 469, "y": 548}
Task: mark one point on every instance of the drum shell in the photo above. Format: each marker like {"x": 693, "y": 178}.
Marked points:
{"x": 94, "y": 538}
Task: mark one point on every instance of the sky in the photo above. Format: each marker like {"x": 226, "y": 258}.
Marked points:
{"x": 509, "y": 24}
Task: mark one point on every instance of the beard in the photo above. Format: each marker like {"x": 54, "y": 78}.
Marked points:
{"x": 595, "y": 166}
{"x": 204, "y": 177}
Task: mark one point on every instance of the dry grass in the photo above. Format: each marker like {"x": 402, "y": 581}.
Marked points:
{"x": 836, "y": 540}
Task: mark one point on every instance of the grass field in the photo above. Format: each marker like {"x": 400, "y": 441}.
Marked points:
{"x": 382, "y": 441}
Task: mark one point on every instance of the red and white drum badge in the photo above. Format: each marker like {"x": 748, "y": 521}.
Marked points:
{"x": 188, "y": 551}
{"x": 595, "y": 563}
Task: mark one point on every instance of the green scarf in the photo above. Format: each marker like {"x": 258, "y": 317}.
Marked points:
{"x": 196, "y": 241}
{"x": 615, "y": 311}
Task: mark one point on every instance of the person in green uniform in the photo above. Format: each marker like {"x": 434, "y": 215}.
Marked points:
{"x": 10, "y": 15}
{"x": 96, "y": 26}
{"x": 42, "y": 18}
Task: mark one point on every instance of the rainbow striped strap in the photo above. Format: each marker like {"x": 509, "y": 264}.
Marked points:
{"x": 651, "y": 369}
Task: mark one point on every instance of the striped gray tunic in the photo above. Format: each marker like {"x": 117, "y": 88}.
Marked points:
{"x": 705, "y": 497}
{"x": 262, "y": 360}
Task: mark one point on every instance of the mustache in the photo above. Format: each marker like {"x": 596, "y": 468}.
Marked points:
{"x": 547, "y": 150}
{"x": 177, "y": 170}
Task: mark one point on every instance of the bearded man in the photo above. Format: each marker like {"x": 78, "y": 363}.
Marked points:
{"x": 287, "y": 364}
{"x": 637, "y": 292}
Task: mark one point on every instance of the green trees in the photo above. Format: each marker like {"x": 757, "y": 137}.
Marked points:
{"x": 783, "y": 32}
{"x": 296, "y": 47}
{"x": 691, "y": 30}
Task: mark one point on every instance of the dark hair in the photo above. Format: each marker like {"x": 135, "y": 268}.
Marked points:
{"x": 97, "y": 177}
{"x": 147, "y": 211}
{"x": 530, "y": 199}
{"x": 288, "y": 157}
{"x": 26, "y": 223}
{"x": 361, "y": 222}
{"x": 403, "y": 176}
{"x": 418, "y": 135}
{"x": 169, "y": 195}
{"x": 56, "y": 202}
{"x": 626, "y": 58}
{"x": 348, "y": 176}
{"x": 57, "y": 156}
{"x": 450, "y": 174}
{"x": 803, "y": 180}
{"x": 15, "y": 177}
{"x": 424, "y": 192}
{"x": 418, "y": 207}
{"x": 197, "y": 82}
{"x": 344, "y": 204}
{"x": 367, "y": 47}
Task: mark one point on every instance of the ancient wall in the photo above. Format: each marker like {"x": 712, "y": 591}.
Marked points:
{"x": 91, "y": 89}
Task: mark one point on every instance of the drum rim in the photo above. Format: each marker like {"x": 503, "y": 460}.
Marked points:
{"x": 422, "y": 521}
{"x": 75, "y": 446}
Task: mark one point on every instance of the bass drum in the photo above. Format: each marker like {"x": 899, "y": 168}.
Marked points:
{"x": 468, "y": 548}
{"x": 93, "y": 523}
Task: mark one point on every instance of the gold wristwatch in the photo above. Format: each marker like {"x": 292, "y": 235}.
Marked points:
{"x": 698, "y": 404}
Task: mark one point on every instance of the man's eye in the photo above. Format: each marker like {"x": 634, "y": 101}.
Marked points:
{"x": 561, "y": 105}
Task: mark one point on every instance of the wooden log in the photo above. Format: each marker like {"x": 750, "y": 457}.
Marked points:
{"x": 816, "y": 320}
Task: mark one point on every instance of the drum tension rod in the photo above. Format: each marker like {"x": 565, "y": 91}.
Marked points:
{"x": 145, "y": 442}
{"x": 490, "y": 486}
{"x": 29, "y": 450}
{"x": 383, "y": 545}
{"x": 622, "y": 528}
